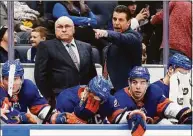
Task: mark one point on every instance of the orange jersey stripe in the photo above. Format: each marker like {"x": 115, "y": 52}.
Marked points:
{"x": 36, "y": 109}
{"x": 162, "y": 105}
{"x": 114, "y": 115}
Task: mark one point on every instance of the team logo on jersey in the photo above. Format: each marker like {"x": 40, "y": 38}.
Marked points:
{"x": 116, "y": 103}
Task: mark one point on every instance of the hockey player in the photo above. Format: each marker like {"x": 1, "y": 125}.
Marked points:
{"x": 17, "y": 94}
{"x": 176, "y": 84}
{"x": 97, "y": 98}
{"x": 93, "y": 103}
{"x": 140, "y": 95}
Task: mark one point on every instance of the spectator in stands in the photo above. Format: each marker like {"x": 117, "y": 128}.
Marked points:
{"x": 180, "y": 28}
{"x": 139, "y": 94}
{"x": 38, "y": 34}
{"x": 63, "y": 62}
{"x": 178, "y": 65}
{"x": 23, "y": 32}
{"x": 139, "y": 19}
{"x": 103, "y": 11}
{"x": 144, "y": 54}
{"x": 23, "y": 12}
{"x": 124, "y": 51}
{"x": 78, "y": 11}
{"x": 17, "y": 23}
{"x": 4, "y": 45}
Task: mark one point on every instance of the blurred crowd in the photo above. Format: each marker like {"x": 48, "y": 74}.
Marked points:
{"x": 146, "y": 18}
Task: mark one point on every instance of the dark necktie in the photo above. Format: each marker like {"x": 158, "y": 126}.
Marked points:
{"x": 73, "y": 55}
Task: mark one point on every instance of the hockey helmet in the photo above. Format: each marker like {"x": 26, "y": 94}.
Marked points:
{"x": 100, "y": 87}
{"x": 139, "y": 72}
{"x": 19, "y": 71}
{"x": 179, "y": 60}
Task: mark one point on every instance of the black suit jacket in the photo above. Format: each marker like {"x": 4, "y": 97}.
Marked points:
{"x": 55, "y": 70}
{"x": 124, "y": 51}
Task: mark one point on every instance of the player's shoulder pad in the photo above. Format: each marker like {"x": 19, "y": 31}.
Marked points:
{"x": 119, "y": 92}
{"x": 154, "y": 91}
{"x": 27, "y": 82}
{"x": 70, "y": 90}
{"x": 28, "y": 87}
{"x": 3, "y": 93}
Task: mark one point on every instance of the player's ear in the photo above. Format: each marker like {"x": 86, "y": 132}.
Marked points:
{"x": 129, "y": 82}
{"x": 170, "y": 71}
{"x": 128, "y": 22}
{"x": 43, "y": 38}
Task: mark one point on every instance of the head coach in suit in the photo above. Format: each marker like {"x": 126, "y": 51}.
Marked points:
{"x": 63, "y": 62}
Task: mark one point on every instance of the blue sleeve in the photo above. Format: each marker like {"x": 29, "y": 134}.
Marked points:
{"x": 113, "y": 109}
{"x": 125, "y": 100}
{"x": 112, "y": 105}
{"x": 3, "y": 93}
{"x": 59, "y": 10}
{"x": 64, "y": 105}
{"x": 165, "y": 88}
{"x": 65, "y": 102}
{"x": 32, "y": 94}
{"x": 131, "y": 38}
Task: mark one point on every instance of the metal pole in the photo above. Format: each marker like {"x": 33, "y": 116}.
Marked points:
{"x": 10, "y": 8}
{"x": 165, "y": 35}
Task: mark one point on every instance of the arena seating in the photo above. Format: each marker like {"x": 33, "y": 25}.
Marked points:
{"x": 23, "y": 52}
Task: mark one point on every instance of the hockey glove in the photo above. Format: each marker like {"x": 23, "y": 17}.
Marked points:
{"x": 184, "y": 116}
{"x": 65, "y": 118}
{"x": 16, "y": 117}
{"x": 88, "y": 109}
{"x": 26, "y": 118}
{"x": 137, "y": 122}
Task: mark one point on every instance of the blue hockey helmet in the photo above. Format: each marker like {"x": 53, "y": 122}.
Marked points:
{"x": 139, "y": 72}
{"x": 179, "y": 60}
{"x": 19, "y": 71}
{"x": 100, "y": 87}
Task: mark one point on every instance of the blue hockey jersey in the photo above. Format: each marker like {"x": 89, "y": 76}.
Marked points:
{"x": 69, "y": 98}
{"x": 164, "y": 87}
{"x": 154, "y": 101}
{"x": 28, "y": 97}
